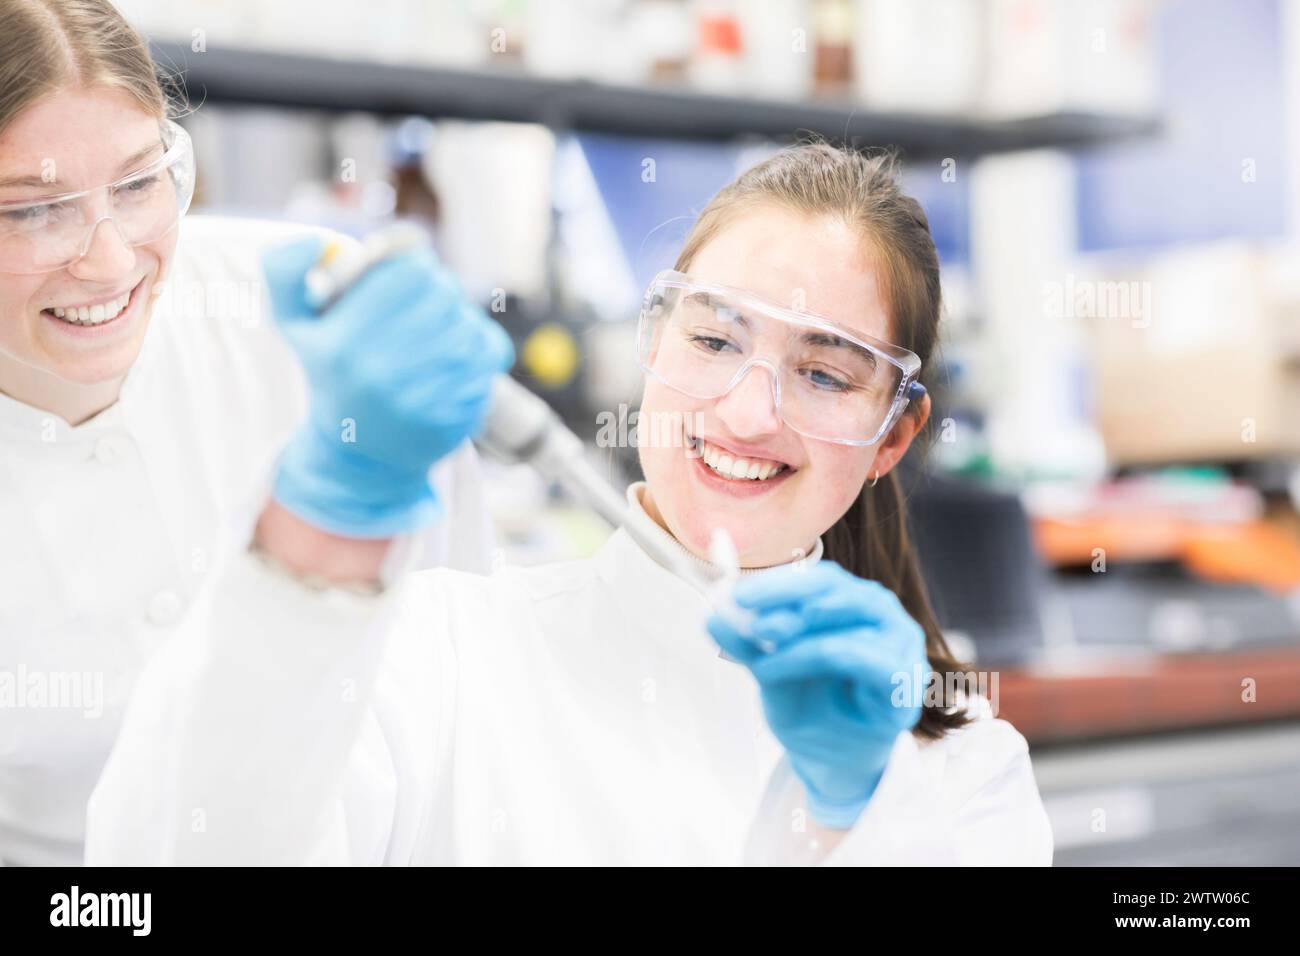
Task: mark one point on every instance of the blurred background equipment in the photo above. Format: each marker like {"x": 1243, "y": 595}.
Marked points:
{"x": 1108, "y": 513}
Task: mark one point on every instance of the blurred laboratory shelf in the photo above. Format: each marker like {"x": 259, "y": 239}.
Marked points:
{"x": 1147, "y": 646}
{"x": 1221, "y": 797}
{"x": 268, "y": 78}
{"x": 1097, "y": 692}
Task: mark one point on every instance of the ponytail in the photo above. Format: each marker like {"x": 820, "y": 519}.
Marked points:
{"x": 872, "y": 541}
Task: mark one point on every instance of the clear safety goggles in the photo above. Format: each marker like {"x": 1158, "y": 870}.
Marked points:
{"x": 828, "y": 383}
{"x": 46, "y": 234}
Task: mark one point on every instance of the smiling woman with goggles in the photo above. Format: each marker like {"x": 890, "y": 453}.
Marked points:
{"x": 828, "y": 382}
{"x": 53, "y": 231}
{"x": 144, "y": 388}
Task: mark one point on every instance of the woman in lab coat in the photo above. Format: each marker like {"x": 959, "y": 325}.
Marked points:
{"x": 602, "y": 711}
{"x": 144, "y": 393}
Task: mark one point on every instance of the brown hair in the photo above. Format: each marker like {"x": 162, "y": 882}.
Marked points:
{"x": 46, "y": 45}
{"x": 871, "y": 540}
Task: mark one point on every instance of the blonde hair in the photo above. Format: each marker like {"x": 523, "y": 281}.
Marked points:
{"x": 871, "y": 539}
{"x": 48, "y": 45}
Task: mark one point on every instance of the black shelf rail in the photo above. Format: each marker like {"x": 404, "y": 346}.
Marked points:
{"x": 266, "y": 78}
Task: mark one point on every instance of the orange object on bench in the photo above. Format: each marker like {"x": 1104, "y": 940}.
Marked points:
{"x": 1254, "y": 553}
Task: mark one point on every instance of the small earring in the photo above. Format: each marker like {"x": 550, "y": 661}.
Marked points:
{"x": 875, "y": 479}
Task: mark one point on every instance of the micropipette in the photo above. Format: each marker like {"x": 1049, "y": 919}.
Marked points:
{"x": 521, "y": 428}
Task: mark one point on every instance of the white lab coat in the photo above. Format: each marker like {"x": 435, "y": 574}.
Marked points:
{"x": 110, "y": 528}
{"x": 576, "y": 713}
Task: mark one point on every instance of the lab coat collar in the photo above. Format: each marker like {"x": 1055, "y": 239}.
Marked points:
{"x": 23, "y": 423}
{"x": 648, "y": 526}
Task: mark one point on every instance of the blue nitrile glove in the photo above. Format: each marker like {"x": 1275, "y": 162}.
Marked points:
{"x": 828, "y": 685}
{"x": 399, "y": 370}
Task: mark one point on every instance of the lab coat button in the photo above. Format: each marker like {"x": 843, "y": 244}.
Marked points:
{"x": 165, "y": 608}
{"x": 107, "y": 451}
